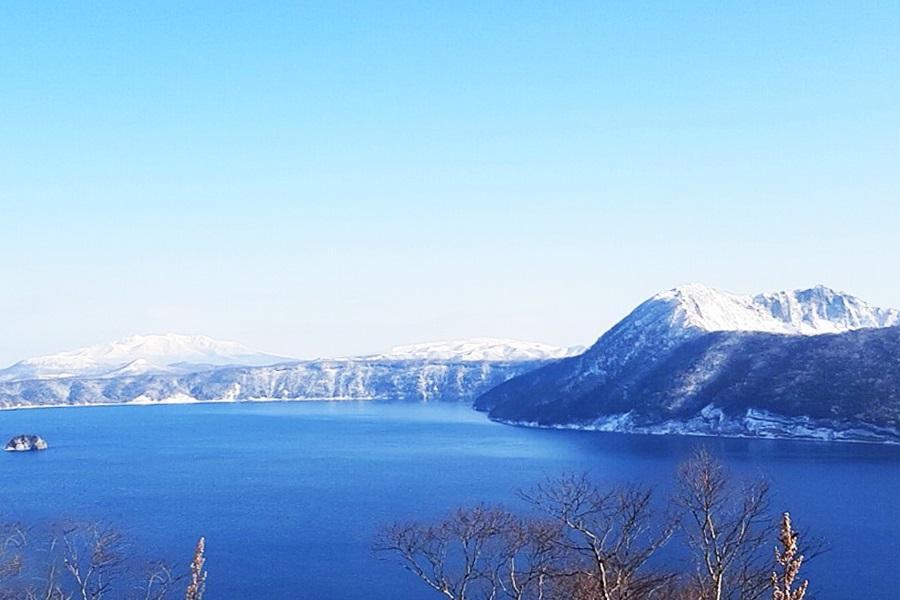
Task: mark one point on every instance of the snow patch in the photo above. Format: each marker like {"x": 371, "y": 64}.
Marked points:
{"x": 479, "y": 350}
{"x": 712, "y": 421}
{"x": 813, "y": 311}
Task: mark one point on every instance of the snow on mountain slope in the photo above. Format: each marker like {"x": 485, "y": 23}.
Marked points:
{"x": 139, "y": 366}
{"x": 175, "y": 354}
{"x": 138, "y": 354}
{"x": 813, "y": 311}
{"x": 178, "y": 369}
{"x": 823, "y": 310}
{"x": 338, "y": 379}
{"x": 694, "y": 346}
{"x": 480, "y": 350}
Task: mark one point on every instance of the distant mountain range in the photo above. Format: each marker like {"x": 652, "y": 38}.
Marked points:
{"x": 812, "y": 363}
{"x": 179, "y": 368}
{"x": 137, "y": 355}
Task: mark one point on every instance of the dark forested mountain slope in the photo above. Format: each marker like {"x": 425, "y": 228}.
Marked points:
{"x": 673, "y": 366}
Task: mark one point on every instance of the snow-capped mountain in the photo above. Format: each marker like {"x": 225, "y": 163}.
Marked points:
{"x": 337, "y": 379}
{"x": 808, "y": 363}
{"x": 139, "y": 354}
{"x": 806, "y": 312}
{"x": 480, "y": 350}
{"x": 147, "y": 369}
{"x": 696, "y": 349}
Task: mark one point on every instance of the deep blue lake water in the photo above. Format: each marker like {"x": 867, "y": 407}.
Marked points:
{"x": 298, "y": 489}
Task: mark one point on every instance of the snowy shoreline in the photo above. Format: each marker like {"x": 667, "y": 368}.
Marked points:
{"x": 712, "y": 423}
{"x": 189, "y": 400}
{"x": 757, "y": 425}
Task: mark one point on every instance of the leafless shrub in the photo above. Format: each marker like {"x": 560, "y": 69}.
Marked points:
{"x": 197, "y": 584}
{"x": 790, "y": 561}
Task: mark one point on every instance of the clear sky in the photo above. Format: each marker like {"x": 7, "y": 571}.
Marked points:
{"x": 330, "y": 178}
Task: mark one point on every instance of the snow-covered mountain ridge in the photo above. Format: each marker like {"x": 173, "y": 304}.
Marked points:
{"x": 139, "y": 354}
{"x": 808, "y": 356}
{"x": 814, "y": 363}
{"x": 480, "y": 349}
{"x": 813, "y": 311}
{"x": 148, "y": 369}
{"x": 338, "y": 379}
{"x": 181, "y": 354}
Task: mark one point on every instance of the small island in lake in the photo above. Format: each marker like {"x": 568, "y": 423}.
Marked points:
{"x": 26, "y": 443}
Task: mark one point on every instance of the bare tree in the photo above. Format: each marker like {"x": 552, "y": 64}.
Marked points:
{"x": 13, "y": 539}
{"x": 726, "y": 525}
{"x": 790, "y": 560}
{"x": 590, "y": 544}
{"x": 528, "y": 559}
{"x": 47, "y": 583}
{"x": 93, "y": 556}
{"x": 78, "y": 561}
{"x": 609, "y": 536}
{"x": 157, "y": 581}
{"x": 458, "y": 557}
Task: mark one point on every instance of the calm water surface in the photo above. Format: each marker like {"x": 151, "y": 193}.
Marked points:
{"x": 298, "y": 489}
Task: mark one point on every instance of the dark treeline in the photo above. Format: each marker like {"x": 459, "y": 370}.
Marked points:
{"x": 585, "y": 542}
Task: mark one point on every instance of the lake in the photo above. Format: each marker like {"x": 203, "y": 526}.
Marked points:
{"x": 298, "y": 489}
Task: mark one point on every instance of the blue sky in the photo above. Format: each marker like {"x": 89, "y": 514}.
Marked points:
{"x": 331, "y": 178}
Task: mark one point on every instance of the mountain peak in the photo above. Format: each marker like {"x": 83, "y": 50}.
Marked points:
{"x": 166, "y": 345}
{"x": 811, "y": 311}
{"x": 138, "y": 354}
{"x": 690, "y": 289}
{"x": 694, "y": 359}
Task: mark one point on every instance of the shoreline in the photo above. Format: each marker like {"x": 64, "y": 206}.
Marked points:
{"x": 699, "y": 434}
{"x": 185, "y": 400}
{"x": 178, "y": 401}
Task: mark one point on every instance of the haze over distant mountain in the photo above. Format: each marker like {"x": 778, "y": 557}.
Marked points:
{"x": 808, "y": 363}
{"x": 139, "y": 354}
{"x": 815, "y": 363}
{"x": 146, "y": 369}
{"x": 479, "y": 350}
